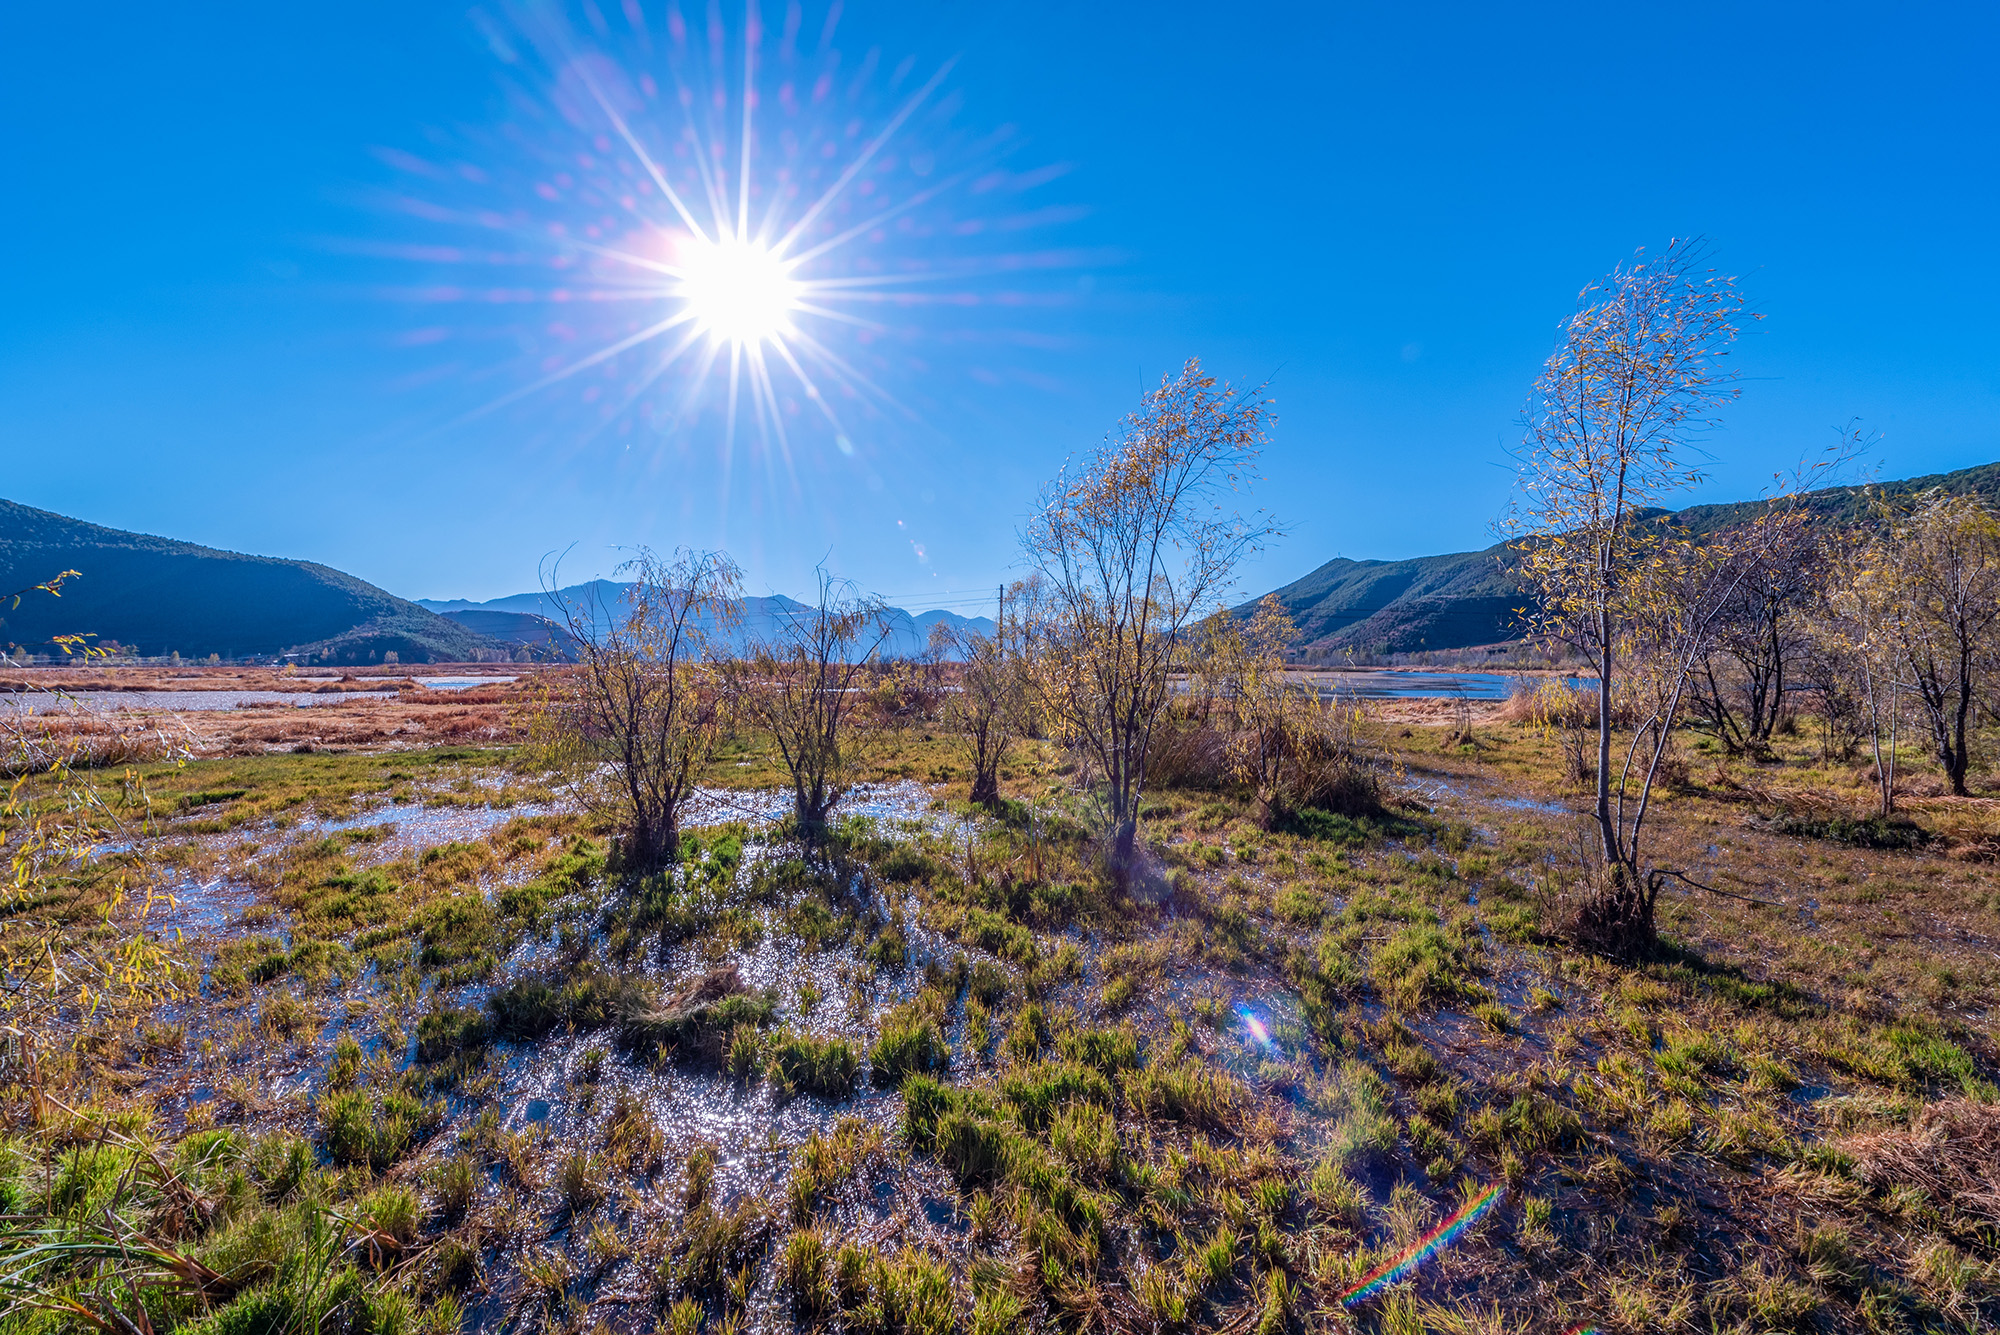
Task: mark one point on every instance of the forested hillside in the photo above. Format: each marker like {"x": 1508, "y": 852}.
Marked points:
{"x": 156, "y": 595}
{"x": 1463, "y": 599}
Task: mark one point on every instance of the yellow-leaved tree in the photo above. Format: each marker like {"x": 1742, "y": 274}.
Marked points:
{"x": 1135, "y": 547}
{"x": 1637, "y": 375}
{"x": 1928, "y": 589}
{"x": 75, "y": 949}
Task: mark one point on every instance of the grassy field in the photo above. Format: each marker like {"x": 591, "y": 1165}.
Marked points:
{"x": 434, "y": 1069}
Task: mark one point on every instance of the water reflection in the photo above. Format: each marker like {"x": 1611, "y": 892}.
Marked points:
{"x": 1424, "y": 685}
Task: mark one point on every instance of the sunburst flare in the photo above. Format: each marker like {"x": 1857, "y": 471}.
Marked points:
{"x": 728, "y": 231}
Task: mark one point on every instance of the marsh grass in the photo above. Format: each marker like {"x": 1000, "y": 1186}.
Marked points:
{"x": 1068, "y": 1082}
{"x": 801, "y": 1063}
{"x": 910, "y": 1043}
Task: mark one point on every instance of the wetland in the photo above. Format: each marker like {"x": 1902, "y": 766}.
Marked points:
{"x": 940, "y": 1072}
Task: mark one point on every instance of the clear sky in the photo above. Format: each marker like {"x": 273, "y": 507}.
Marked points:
{"x": 248, "y": 301}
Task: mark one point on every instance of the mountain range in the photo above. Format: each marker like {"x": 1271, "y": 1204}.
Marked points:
{"x": 1465, "y": 599}
{"x": 597, "y": 604}
{"x": 153, "y": 595}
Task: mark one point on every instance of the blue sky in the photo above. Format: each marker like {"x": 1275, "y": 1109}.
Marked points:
{"x": 216, "y": 223}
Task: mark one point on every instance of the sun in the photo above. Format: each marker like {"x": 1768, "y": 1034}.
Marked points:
{"x": 728, "y": 246}
{"x": 737, "y": 291}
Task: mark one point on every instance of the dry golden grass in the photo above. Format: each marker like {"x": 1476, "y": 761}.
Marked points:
{"x": 373, "y": 709}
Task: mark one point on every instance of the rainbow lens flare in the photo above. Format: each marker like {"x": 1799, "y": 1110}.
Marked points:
{"x": 1256, "y": 1028}
{"x": 1426, "y": 1247}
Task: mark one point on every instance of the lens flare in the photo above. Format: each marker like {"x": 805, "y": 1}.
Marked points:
{"x": 685, "y": 225}
{"x": 1426, "y": 1247}
{"x": 1257, "y": 1029}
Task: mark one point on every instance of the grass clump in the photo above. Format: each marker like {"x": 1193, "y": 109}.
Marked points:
{"x": 1876, "y": 832}
{"x": 451, "y": 1031}
{"x": 362, "y": 1125}
{"x": 1107, "y": 1051}
{"x": 1326, "y": 979}
{"x": 1034, "y": 1094}
{"x": 803, "y": 1271}
{"x": 910, "y": 1043}
{"x": 699, "y": 1018}
{"x": 1301, "y": 905}
{"x": 1188, "y": 1092}
{"x": 590, "y": 998}
{"x": 1423, "y": 963}
{"x": 801, "y": 1063}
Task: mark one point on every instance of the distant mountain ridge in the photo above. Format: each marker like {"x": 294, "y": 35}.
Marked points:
{"x": 598, "y": 602}
{"x": 158, "y": 595}
{"x": 545, "y": 640}
{"x": 1462, "y": 600}
{"x": 155, "y": 596}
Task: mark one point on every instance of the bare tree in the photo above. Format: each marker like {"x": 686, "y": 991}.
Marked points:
{"x": 644, "y": 695}
{"x": 1637, "y": 374}
{"x": 1856, "y": 649}
{"x": 990, "y": 705}
{"x": 1135, "y": 549}
{"x": 1935, "y": 577}
{"x": 803, "y": 685}
{"x": 1760, "y": 635}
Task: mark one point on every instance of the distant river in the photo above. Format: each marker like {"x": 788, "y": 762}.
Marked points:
{"x": 107, "y": 702}
{"x": 1421, "y": 685}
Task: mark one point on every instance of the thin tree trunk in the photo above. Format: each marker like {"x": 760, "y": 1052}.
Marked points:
{"x": 1959, "y": 757}
{"x": 1605, "y": 827}
{"x": 1884, "y": 780}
